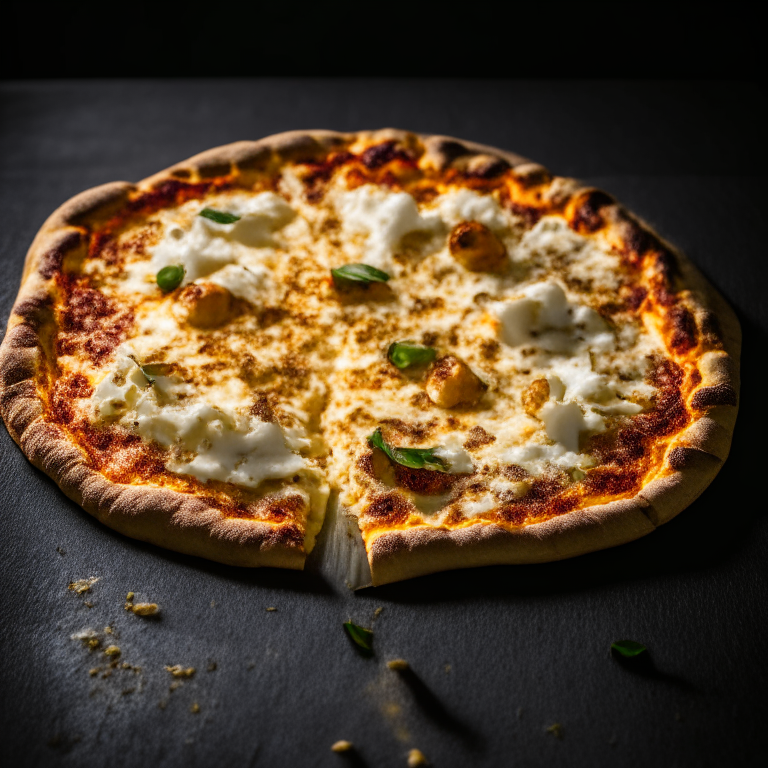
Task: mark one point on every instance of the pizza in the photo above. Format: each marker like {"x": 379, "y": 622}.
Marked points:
{"x": 462, "y": 358}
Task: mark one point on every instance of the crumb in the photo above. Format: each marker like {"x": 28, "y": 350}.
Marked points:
{"x": 211, "y": 666}
{"x": 415, "y": 758}
{"x": 82, "y": 585}
{"x": 447, "y": 668}
{"x": 179, "y": 671}
{"x": 125, "y": 665}
{"x": 61, "y": 551}
{"x": 250, "y": 665}
{"x": 213, "y": 603}
{"x": 93, "y": 672}
{"x": 398, "y": 664}
{"x": 145, "y": 609}
{"x": 520, "y": 713}
{"x": 88, "y": 638}
{"x": 556, "y": 730}
{"x": 112, "y": 650}
{"x": 195, "y": 708}
{"x": 378, "y": 611}
{"x": 108, "y": 630}
{"x": 107, "y": 673}
{"x": 271, "y": 609}
{"x": 129, "y": 596}
{"x": 163, "y": 703}
{"x": 126, "y": 691}
{"x": 87, "y": 604}
{"x": 174, "y": 685}
{"x": 341, "y": 746}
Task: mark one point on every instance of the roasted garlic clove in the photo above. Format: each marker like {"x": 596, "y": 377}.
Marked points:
{"x": 476, "y": 248}
{"x": 452, "y": 382}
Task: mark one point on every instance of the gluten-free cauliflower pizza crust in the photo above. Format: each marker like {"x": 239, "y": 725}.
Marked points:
{"x": 481, "y": 362}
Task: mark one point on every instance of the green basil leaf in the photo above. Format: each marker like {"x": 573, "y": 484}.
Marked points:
{"x": 360, "y": 273}
{"x": 628, "y": 648}
{"x": 147, "y": 375}
{"x": 404, "y": 354}
{"x": 415, "y": 458}
{"x": 169, "y": 278}
{"x": 220, "y": 217}
{"x": 362, "y": 637}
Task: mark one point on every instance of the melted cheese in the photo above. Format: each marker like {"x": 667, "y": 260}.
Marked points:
{"x": 324, "y": 366}
{"x": 226, "y": 445}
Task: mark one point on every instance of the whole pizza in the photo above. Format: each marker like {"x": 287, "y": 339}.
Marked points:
{"x": 461, "y": 358}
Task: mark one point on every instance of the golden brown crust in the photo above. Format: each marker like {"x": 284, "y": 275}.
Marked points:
{"x": 186, "y": 524}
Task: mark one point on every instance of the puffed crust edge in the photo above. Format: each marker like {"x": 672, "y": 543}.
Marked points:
{"x": 183, "y": 523}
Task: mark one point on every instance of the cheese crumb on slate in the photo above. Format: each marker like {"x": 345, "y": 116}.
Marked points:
{"x": 415, "y": 758}
{"x": 271, "y": 609}
{"x": 145, "y": 609}
{"x": 341, "y": 746}
{"x": 178, "y": 671}
{"x": 195, "y": 708}
{"x": 83, "y": 585}
{"x": 398, "y": 664}
{"x": 112, "y": 650}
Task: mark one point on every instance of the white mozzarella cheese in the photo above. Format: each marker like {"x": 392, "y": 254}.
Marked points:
{"x": 383, "y": 218}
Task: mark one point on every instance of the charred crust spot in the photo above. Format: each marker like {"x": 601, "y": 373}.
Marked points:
{"x": 390, "y": 509}
{"x": 711, "y": 328}
{"x": 478, "y": 437}
{"x": 51, "y": 261}
{"x": 425, "y": 481}
{"x": 586, "y": 217}
{"x": 33, "y": 309}
{"x": 684, "y": 332}
{"x": 286, "y": 536}
{"x": 612, "y": 481}
{"x": 527, "y": 213}
{"x": 515, "y": 472}
{"x": 262, "y": 407}
{"x": 23, "y": 335}
{"x": 487, "y": 167}
{"x": 381, "y": 154}
{"x": 710, "y": 397}
{"x": 634, "y": 296}
{"x": 666, "y": 265}
{"x": 278, "y": 508}
{"x": 532, "y": 175}
{"x": 636, "y": 240}
{"x": 214, "y": 169}
{"x": 65, "y": 390}
{"x": 449, "y": 149}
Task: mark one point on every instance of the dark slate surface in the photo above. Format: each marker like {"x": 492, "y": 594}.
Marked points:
{"x": 499, "y": 654}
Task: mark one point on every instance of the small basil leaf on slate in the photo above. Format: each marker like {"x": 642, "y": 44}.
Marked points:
{"x": 415, "y": 458}
{"x": 404, "y": 354}
{"x": 362, "y": 637}
{"x": 360, "y": 273}
{"x": 169, "y": 278}
{"x": 628, "y": 648}
{"x": 220, "y": 217}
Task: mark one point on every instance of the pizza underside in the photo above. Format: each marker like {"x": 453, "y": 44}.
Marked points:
{"x": 476, "y": 362}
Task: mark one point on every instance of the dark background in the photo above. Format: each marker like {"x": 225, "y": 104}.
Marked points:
{"x": 677, "y": 135}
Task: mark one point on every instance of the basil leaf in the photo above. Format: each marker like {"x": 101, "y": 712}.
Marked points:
{"x": 415, "y": 458}
{"x": 360, "y": 273}
{"x": 148, "y": 376}
{"x": 628, "y": 648}
{"x": 169, "y": 278}
{"x": 220, "y": 217}
{"x": 362, "y": 637}
{"x": 403, "y": 354}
